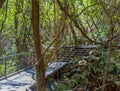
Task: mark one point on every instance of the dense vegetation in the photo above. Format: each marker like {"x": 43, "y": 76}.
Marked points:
{"x": 61, "y": 23}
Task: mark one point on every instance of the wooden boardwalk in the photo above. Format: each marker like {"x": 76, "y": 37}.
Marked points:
{"x": 18, "y": 82}
{"x": 24, "y": 79}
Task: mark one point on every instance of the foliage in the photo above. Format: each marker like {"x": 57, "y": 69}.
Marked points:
{"x": 92, "y": 72}
{"x": 82, "y": 21}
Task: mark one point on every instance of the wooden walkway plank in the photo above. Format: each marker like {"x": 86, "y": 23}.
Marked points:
{"x": 24, "y": 79}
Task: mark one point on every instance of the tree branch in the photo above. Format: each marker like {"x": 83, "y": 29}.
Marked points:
{"x": 77, "y": 25}
{"x": 3, "y": 22}
{"x": 54, "y": 40}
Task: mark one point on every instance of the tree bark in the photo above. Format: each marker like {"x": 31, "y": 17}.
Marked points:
{"x": 112, "y": 26}
{"x": 1, "y": 3}
{"x": 55, "y": 33}
{"x": 40, "y": 68}
{"x": 74, "y": 34}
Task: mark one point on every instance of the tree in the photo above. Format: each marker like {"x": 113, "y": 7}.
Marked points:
{"x": 55, "y": 33}
{"x": 1, "y": 3}
{"x": 40, "y": 68}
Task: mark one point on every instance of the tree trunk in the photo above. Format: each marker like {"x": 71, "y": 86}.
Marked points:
{"x": 55, "y": 33}
{"x": 112, "y": 26}
{"x": 40, "y": 68}
{"x": 74, "y": 34}
{"x": 1, "y": 3}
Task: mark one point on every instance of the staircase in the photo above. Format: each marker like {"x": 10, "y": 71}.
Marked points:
{"x": 71, "y": 52}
